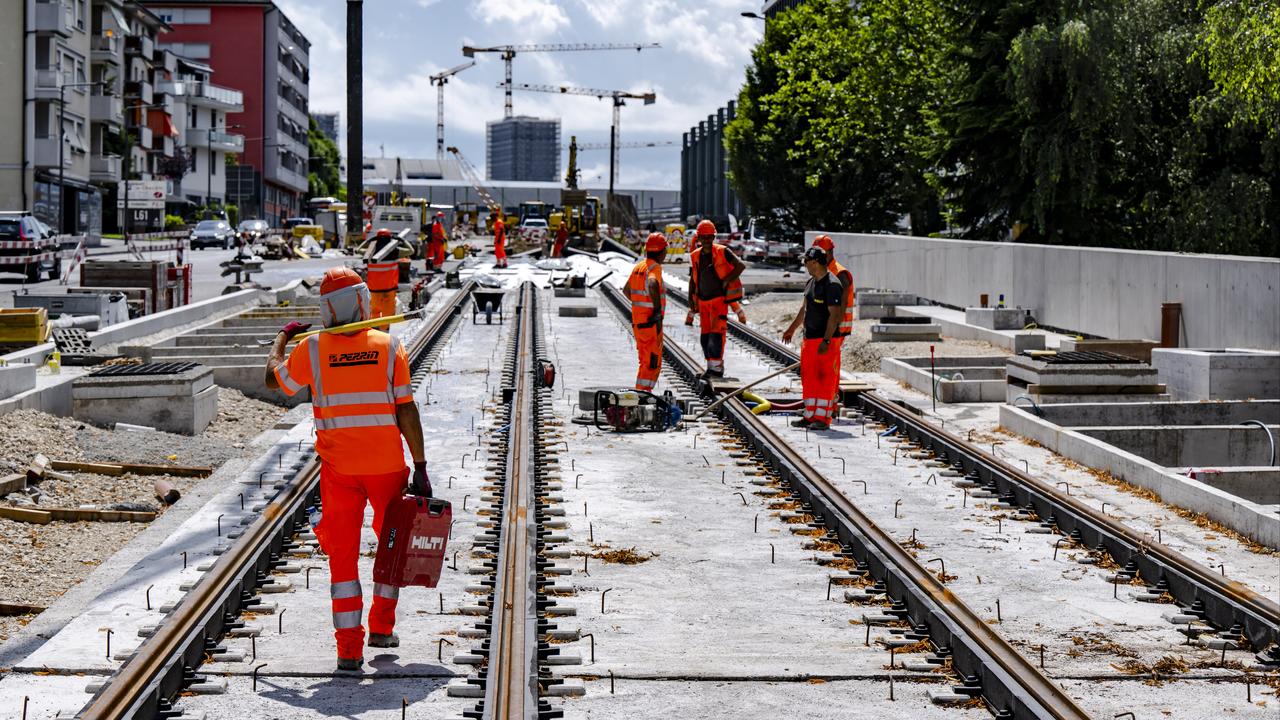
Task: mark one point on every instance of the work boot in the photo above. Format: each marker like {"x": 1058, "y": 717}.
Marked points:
{"x": 350, "y": 664}
{"x": 801, "y": 423}
{"x": 379, "y": 640}
{"x": 819, "y": 425}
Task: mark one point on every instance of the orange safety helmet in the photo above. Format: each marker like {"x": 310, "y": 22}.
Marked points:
{"x": 824, "y": 242}
{"x": 383, "y": 232}
{"x": 344, "y": 297}
{"x": 656, "y": 242}
{"x": 440, "y": 214}
{"x": 706, "y": 227}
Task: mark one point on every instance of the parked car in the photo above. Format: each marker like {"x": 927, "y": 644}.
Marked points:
{"x": 212, "y": 233}
{"x": 251, "y": 230}
{"x": 23, "y": 235}
{"x": 291, "y": 223}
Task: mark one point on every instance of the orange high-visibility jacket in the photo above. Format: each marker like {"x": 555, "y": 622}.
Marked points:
{"x": 733, "y": 290}
{"x": 642, "y": 309}
{"x": 437, "y": 232}
{"x": 361, "y": 379}
{"x": 382, "y": 276}
{"x": 846, "y": 322}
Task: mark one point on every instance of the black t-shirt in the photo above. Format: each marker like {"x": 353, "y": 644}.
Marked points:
{"x": 821, "y": 298}
{"x": 710, "y": 286}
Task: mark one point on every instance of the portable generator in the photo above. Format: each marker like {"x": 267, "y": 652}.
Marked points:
{"x": 627, "y": 410}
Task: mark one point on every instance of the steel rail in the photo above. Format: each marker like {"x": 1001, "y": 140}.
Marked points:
{"x": 146, "y": 685}
{"x": 511, "y": 683}
{"x": 1231, "y": 607}
{"x": 988, "y": 665}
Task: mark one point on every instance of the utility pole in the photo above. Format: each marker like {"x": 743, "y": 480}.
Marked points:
{"x": 355, "y": 117}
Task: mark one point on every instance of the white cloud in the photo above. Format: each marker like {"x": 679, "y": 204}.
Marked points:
{"x": 533, "y": 18}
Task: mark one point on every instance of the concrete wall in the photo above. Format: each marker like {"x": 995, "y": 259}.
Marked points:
{"x": 15, "y": 114}
{"x": 1227, "y": 301}
{"x": 1170, "y": 413}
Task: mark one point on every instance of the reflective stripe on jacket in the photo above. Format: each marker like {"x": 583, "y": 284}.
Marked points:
{"x": 382, "y": 276}
{"x": 642, "y": 309}
{"x": 842, "y": 274}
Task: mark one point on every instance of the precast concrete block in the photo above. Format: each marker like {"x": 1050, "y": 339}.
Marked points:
{"x": 581, "y": 310}
{"x": 914, "y": 332}
{"x": 183, "y": 403}
{"x": 570, "y": 292}
{"x": 1199, "y": 374}
{"x": 997, "y": 318}
{"x": 16, "y": 379}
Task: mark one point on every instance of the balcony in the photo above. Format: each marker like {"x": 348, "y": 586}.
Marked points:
{"x": 47, "y": 153}
{"x": 140, "y": 46}
{"x": 106, "y": 109}
{"x": 143, "y": 92}
{"x": 145, "y": 136}
{"x": 104, "y": 169}
{"x": 53, "y": 17}
{"x": 206, "y": 94}
{"x": 162, "y": 144}
{"x": 47, "y": 82}
{"x": 169, "y": 61}
{"x": 215, "y": 140}
{"x": 288, "y": 178}
{"x": 103, "y": 49}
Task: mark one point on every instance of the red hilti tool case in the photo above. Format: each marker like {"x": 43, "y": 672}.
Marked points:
{"x": 411, "y": 550}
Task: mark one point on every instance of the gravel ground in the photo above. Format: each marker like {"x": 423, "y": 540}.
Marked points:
{"x": 774, "y": 311}
{"x": 38, "y": 563}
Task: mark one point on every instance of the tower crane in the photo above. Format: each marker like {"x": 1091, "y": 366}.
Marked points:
{"x": 440, "y": 80}
{"x": 509, "y": 53}
{"x": 473, "y": 177}
{"x": 619, "y": 98}
{"x": 627, "y": 145}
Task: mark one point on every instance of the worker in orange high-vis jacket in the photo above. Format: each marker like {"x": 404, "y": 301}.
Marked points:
{"x": 648, "y": 307}
{"x": 499, "y": 241}
{"x": 382, "y": 276}
{"x": 363, "y": 405}
{"x": 824, "y": 243}
{"x": 438, "y": 243}
{"x": 562, "y": 239}
{"x": 713, "y": 284}
{"x": 820, "y": 313}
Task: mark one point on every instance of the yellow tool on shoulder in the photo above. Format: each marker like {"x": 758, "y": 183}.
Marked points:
{"x": 359, "y": 325}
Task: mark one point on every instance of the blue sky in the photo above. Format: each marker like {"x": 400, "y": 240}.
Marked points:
{"x": 706, "y": 45}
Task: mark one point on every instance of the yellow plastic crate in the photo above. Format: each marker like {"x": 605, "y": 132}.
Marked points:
{"x": 29, "y": 326}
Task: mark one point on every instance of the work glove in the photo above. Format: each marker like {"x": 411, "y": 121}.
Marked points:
{"x": 293, "y": 328}
{"x": 421, "y": 484}
{"x": 688, "y": 318}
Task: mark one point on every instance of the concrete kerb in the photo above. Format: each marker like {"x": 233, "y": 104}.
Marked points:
{"x": 983, "y": 377}
{"x": 1012, "y": 341}
{"x": 1250, "y": 519}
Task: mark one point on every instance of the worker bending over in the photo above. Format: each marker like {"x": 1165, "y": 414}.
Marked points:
{"x": 382, "y": 276}
{"x": 363, "y": 405}
{"x": 648, "y": 307}
{"x": 820, "y": 313}
{"x": 499, "y": 241}
{"x": 437, "y": 243}
{"x": 824, "y": 243}
{"x": 713, "y": 285}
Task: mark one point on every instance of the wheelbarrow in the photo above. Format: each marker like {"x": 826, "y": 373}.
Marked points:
{"x": 487, "y": 303}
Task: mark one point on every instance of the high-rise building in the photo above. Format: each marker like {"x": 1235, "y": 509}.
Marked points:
{"x": 523, "y": 148}
{"x": 328, "y": 124}
{"x": 255, "y": 49}
{"x": 704, "y": 167}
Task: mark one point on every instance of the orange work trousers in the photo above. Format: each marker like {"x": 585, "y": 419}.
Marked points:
{"x": 382, "y": 304}
{"x": 500, "y": 252}
{"x": 343, "y": 498}
{"x": 837, "y": 347}
{"x": 713, "y": 322}
{"x": 557, "y": 250}
{"x": 649, "y": 350}
{"x": 819, "y": 380}
{"x": 437, "y": 257}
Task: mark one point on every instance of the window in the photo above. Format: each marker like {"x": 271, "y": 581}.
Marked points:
{"x": 184, "y": 16}
{"x": 80, "y": 13}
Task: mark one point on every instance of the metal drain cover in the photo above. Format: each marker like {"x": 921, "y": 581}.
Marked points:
{"x": 169, "y": 368}
{"x": 1092, "y": 357}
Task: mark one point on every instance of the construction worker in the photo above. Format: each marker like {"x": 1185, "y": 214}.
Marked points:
{"x": 499, "y": 241}
{"x": 820, "y": 313}
{"x": 436, "y": 246}
{"x": 382, "y": 276}
{"x": 824, "y": 243}
{"x": 562, "y": 239}
{"x": 363, "y": 405}
{"x": 648, "y": 307}
{"x": 713, "y": 284}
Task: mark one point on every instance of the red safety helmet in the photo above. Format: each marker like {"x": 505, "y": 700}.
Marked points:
{"x": 706, "y": 227}
{"x": 439, "y": 214}
{"x": 383, "y": 232}
{"x": 824, "y": 242}
{"x": 656, "y": 242}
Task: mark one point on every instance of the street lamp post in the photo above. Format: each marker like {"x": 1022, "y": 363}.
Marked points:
{"x": 62, "y": 142}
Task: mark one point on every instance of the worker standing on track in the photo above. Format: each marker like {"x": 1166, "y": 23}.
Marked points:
{"x": 499, "y": 241}
{"x": 820, "y": 313}
{"x": 713, "y": 284}
{"x": 824, "y": 243}
{"x": 382, "y": 276}
{"x": 363, "y": 405}
{"x": 648, "y": 307}
{"x": 562, "y": 239}
{"x": 436, "y": 248}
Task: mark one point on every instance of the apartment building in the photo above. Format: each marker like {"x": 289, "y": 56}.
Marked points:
{"x": 255, "y": 49}
{"x": 200, "y": 111}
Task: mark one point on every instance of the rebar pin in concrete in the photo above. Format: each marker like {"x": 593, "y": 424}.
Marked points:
{"x": 109, "y": 631}
{"x": 941, "y": 562}
{"x": 602, "y": 594}
{"x": 896, "y": 503}
{"x": 255, "y": 676}
{"x": 440, "y": 649}
{"x": 148, "y": 594}
{"x": 744, "y": 498}
{"x": 306, "y": 577}
{"x": 772, "y": 553}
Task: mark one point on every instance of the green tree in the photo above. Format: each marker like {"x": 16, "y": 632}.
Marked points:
{"x": 830, "y": 130}
{"x": 322, "y": 177}
{"x": 1241, "y": 49}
